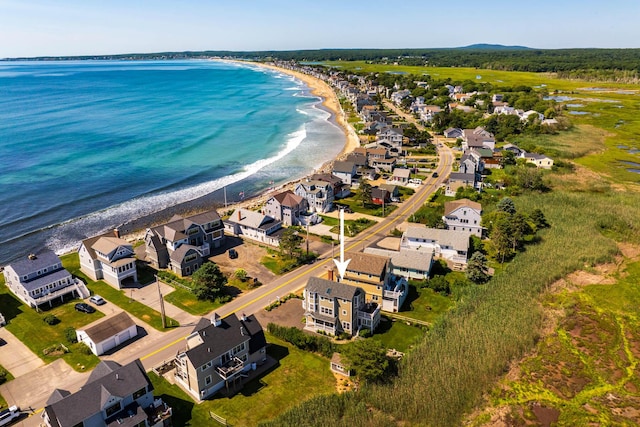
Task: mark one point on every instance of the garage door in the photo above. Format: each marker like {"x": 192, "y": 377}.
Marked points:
{"x": 125, "y": 336}
{"x": 109, "y": 344}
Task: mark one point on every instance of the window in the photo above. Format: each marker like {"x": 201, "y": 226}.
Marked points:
{"x": 346, "y": 326}
{"x": 110, "y": 410}
{"x": 138, "y": 394}
{"x": 344, "y": 312}
{"x": 207, "y": 380}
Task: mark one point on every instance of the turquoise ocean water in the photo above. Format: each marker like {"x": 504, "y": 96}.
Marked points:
{"x": 87, "y": 146}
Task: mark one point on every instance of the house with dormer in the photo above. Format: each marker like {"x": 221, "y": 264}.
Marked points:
{"x": 334, "y": 308}
{"x": 340, "y": 189}
{"x": 318, "y": 194}
{"x": 449, "y": 245}
{"x": 184, "y": 244}
{"x": 40, "y": 279}
{"x": 463, "y": 215}
{"x": 392, "y": 136}
{"x": 114, "y": 395}
{"x": 108, "y": 258}
{"x": 218, "y": 353}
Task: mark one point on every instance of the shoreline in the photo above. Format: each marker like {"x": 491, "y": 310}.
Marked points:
{"x": 135, "y": 228}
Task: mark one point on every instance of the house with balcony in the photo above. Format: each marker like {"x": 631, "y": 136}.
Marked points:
{"x": 318, "y": 194}
{"x": 463, "y": 215}
{"x": 373, "y": 273}
{"x": 407, "y": 263}
{"x": 40, "y": 279}
{"x": 220, "y": 352}
{"x": 108, "y": 258}
{"x": 289, "y": 208}
{"x": 449, "y": 245}
{"x": 340, "y": 189}
{"x": 335, "y": 308}
{"x": 184, "y": 244}
{"x": 114, "y": 395}
{"x": 255, "y": 226}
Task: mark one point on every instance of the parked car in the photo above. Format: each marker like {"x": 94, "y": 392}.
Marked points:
{"x": 8, "y": 415}
{"x": 435, "y": 174}
{"x": 97, "y": 300}
{"x": 233, "y": 254}
{"x": 85, "y": 308}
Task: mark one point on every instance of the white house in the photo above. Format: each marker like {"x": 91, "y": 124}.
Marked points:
{"x": 106, "y": 334}
{"x": 450, "y": 245}
{"x": 346, "y": 171}
{"x": 540, "y": 160}
{"x": 110, "y": 259}
{"x": 40, "y": 278}
{"x": 400, "y": 176}
{"x": 254, "y": 226}
{"x": 318, "y": 194}
{"x": 463, "y": 215}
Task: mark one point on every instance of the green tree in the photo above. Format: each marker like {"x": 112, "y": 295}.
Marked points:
{"x": 290, "y": 244}
{"x": 477, "y": 268}
{"x": 520, "y": 227}
{"x": 506, "y": 205}
{"x": 368, "y": 358}
{"x": 538, "y": 219}
{"x": 365, "y": 193}
{"x": 208, "y": 282}
{"x": 508, "y": 158}
{"x": 241, "y": 274}
{"x": 500, "y": 246}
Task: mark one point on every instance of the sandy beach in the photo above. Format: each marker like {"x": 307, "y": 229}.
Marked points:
{"x": 135, "y": 229}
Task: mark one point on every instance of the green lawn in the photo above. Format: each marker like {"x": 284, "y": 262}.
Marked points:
{"x": 425, "y": 304}
{"x": 27, "y": 325}
{"x": 185, "y": 300}
{"x": 397, "y": 334}
{"x": 8, "y": 377}
{"x": 115, "y": 296}
{"x": 298, "y": 376}
{"x": 351, "y": 227}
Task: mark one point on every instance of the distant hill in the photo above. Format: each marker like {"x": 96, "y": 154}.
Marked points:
{"x": 486, "y": 46}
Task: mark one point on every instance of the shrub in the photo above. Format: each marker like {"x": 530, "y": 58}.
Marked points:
{"x": 3, "y": 376}
{"x": 70, "y": 334}
{"x": 303, "y": 341}
{"x": 51, "y": 319}
{"x": 82, "y": 348}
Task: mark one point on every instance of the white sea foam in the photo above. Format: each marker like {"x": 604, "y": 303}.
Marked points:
{"x": 106, "y": 219}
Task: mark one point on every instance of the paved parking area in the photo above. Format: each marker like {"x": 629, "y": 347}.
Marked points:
{"x": 16, "y": 357}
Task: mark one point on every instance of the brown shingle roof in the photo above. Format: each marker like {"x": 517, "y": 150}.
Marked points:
{"x": 108, "y": 327}
{"x": 374, "y": 265}
{"x": 452, "y": 206}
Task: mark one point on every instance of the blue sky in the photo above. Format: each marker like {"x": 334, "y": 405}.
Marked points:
{"x": 74, "y": 27}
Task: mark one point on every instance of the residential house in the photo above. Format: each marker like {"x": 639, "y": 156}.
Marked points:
{"x": 459, "y": 180}
{"x": 393, "y": 190}
{"x": 254, "y": 225}
{"x": 335, "y": 308}
{"x": 184, "y": 244}
{"x": 218, "y": 353}
{"x": 360, "y": 160}
{"x": 385, "y": 165}
{"x": 289, "y": 208}
{"x": 428, "y": 112}
{"x": 40, "y": 278}
{"x": 477, "y": 138}
{"x": 346, "y": 171}
{"x": 463, "y": 215}
{"x": 469, "y": 164}
{"x": 108, "y": 333}
{"x": 373, "y": 274}
{"x": 318, "y": 194}
{"x": 392, "y": 136}
{"x": 531, "y": 113}
{"x": 449, "y": 245}
{"x": 540, "y": 160}
{"x": 453, "y": 133}
{"x": 337, "y": 365}
{"x": 397, "y": 97}
{"x": 519, "y": 152}
{"x": 340, "y": 189}
{"x": 380, "y": 196}
{"x": 108, "y": 258}
{"x": 114, "y": 395}
{"x": 401, "y": 176}
{"x": 407, "y": 263}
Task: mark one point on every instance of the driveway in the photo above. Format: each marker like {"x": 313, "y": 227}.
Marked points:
{"x": 16, "y": 357}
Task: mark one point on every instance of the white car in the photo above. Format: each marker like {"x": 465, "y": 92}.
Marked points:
{"x": 97, "y": 300}
{"x": 9, "y": 415}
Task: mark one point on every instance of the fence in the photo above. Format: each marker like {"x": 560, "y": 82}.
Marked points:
{"x": 218, "y": 418}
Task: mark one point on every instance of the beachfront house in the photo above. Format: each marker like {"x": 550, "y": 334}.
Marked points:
{"x": 449, "y": 245}
{"x": 334, "y": 308}
{"x": 219, "y": 353}
{"x": 463, "y": 215}
{"x": 346, "y": 171}
{"x": 106, "y": 334}
{"x": 184, "y": 244}
{"x": 289, "y": 208}
{"x": 254, "y": 225}
{"x": 40, "y": 279}
{"x": 318, "y": 194}
{"x": 108, "y": 258}
{"x": 373, "y": 274}
{"x": 114, "y": 395}
{"x": 340, "y": 189}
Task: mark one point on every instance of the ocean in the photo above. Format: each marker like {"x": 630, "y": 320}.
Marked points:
{"x": 87, "y": 146}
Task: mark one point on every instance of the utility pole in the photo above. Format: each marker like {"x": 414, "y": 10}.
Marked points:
{"x": 164, "y": 320}
{"x": 307, "y": 238}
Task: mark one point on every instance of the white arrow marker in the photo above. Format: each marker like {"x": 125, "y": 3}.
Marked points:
{"x": 342, "y": 264}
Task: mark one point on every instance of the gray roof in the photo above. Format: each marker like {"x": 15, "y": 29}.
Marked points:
{"x": 217, "y": 340}
{"x": 415, "y": 260}
{"x": 181, "y": 252}
{"x": 41, "y": 281}
{"x": 457, "y": 176}
{"x": 25, "y": 266}
{"x": 458, "y": 240}
{"x": 402, "y": 173}
{"x": 343, "y": 167}
{"x": 331, "y": 289}
{"x": 117, "y": 381}
{"x": 252, "y": 219}
{"x": 106, "y": 328}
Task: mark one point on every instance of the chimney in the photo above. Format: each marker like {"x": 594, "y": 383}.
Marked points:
{"x": 239, "y": 215}
{"x": 330, "y": 274}
{"x": 117, "y": 377}
{"x": 32, "y": 257}
{"x": 215, "y": 320}
{"x": 243, "y": 332}
{"x": 116, "y": 232}
{"x": 243, "y": 317}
